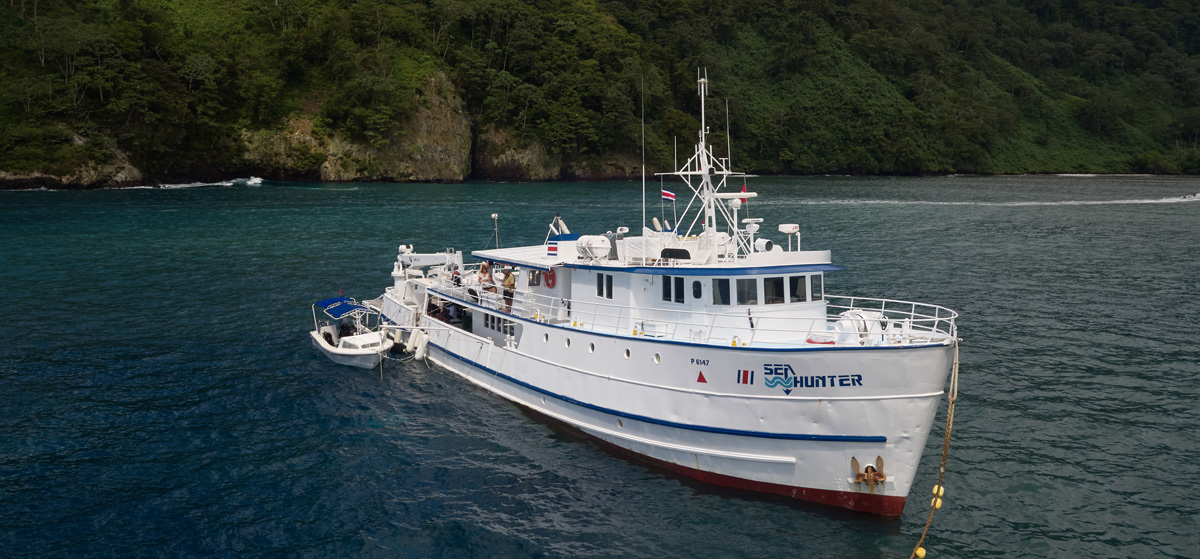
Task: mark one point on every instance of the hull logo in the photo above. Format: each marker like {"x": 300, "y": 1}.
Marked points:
{"x": 785, "y": 378}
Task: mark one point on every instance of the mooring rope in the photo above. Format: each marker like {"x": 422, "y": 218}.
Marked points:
{"x": 952, "y": 395}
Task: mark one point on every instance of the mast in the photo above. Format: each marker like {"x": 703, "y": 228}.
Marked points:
{"x": 706, "y": 185}
{"x": 643, "y": 229}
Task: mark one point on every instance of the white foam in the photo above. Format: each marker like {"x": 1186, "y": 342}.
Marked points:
{"x": 1171, "y": 200}
{"x": 252, "y": 181}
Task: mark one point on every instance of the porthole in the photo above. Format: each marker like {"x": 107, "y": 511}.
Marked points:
{"x": 591, "y": 348}
{"x": 568, "y": 342}
{"x": 545, "y": 338}
{"x": 657, "y": 359}
{"x": 627, "y": 354}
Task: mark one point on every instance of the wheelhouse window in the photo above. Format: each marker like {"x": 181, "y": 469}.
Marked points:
{"x": 797, "y": 289}
{"x": 747, "y": 291}
{"x": 697, "y": 291}
{"x": 816, "y": 287}
{"x": 720, "y": 291}
{"x": 773, "y": 291}
{"x": 678, "y": 290}
{"x": 666, "y": 288}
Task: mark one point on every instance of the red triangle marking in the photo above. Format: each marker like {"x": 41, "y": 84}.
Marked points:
{"x": 701, "y": 378}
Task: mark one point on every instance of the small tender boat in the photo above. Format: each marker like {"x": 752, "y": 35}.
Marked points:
{"x": 347, "y": 337}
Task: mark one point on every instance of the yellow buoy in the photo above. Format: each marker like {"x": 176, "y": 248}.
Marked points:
{"x": 938, "y": 491}
{"x": 937, "y": 503}
{"x": 920, "y": 553}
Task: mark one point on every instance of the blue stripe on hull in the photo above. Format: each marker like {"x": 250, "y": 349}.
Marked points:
{"x": 702, "y": 428}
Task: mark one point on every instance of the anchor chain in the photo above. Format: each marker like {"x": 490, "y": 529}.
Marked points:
{"x": 918, "y": 552}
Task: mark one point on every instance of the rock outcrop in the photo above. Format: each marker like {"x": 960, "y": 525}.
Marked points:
{"x": 499, "y": 156}
{"x": 118, "y": 171}
{"x": 432, "y": 144}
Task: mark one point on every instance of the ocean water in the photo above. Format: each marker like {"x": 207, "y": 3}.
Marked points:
{"x": 160, "y": 397}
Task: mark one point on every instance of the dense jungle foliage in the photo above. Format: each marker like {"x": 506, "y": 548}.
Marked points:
{"x": 813, "y": 86}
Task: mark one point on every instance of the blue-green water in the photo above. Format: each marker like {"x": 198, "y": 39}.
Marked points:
{"x": 160, "y": 397}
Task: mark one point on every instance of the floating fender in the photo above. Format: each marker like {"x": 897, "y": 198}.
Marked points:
{"x": 414, "y": 338}
{"x": 422, "y": 342}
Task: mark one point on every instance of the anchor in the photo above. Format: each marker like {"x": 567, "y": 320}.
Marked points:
{"x": 873, "y": 474}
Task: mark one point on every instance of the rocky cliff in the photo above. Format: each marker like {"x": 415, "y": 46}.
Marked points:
{"x": 435, "y": 142}
{"x": 432, "y": 144}
{"x": 117, "y": 171}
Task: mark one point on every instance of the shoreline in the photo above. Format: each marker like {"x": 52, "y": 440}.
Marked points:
{"x": 44, "y": 183}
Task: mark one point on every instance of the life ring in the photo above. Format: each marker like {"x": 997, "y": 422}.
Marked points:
{"x": 550, "y": 279}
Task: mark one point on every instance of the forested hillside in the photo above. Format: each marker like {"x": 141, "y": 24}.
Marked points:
{"x": 518, "y": 89}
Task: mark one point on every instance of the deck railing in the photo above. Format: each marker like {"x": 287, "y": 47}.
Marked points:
{"x": 848, "y": 321}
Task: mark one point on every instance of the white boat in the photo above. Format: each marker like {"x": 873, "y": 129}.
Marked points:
{"x": 714, "y": 352}
{"x": 346, "y": 337}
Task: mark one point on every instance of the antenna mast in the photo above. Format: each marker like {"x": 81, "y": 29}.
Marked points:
{"x": 643, "y": 251}
{"x": 706, "y": 185}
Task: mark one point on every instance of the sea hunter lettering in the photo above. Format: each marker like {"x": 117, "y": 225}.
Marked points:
{"x": 784, "y": 377}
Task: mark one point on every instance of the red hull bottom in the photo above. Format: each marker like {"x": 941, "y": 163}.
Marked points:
{"x": 883, "y": 505}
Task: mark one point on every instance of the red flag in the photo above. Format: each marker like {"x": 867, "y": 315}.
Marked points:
{"x": 743, "y": 190}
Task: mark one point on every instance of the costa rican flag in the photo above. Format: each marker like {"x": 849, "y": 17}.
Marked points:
{"x": 552, "y": 248}
{"x": 745, "y": 377}
{"x": 668, "y": 195}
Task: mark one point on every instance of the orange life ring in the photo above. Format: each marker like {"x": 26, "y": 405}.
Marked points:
{"x": 550, "y": 279}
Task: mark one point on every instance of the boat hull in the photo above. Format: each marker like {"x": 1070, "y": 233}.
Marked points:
{"x": 363, "y": 359}
{"x": 800, "y": 444}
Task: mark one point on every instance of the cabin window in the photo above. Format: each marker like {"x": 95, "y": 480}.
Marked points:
{"x": 604, "y": 285}
{"x": 797, "y": 289}
{"x": 502, "y": 325}
{"x": 816, "y": 287}
{"x": 697, "y": 292}
{"x": 535, "y": 278}
{"x": 773, "y": 291}
{"x": 673, "y": 289}
{"x": 720, "y": 291}
{"x": 747, "y": 291}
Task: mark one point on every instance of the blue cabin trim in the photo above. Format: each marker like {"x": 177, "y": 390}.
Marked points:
{"x": 714, "y": 272}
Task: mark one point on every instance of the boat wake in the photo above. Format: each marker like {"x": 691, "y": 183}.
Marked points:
{"x": 1169, "y": 200}
{"x": 250, "y": 181}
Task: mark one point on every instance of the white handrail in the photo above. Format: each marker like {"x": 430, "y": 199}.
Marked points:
{"x": 916, "y": 323}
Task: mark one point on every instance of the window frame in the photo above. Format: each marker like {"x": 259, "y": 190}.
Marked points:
{"x": 752, "y": 299}
{"x": 716, "y": 291}
{"x": 803, "y": 295}
{"x": 780, "y": 293}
